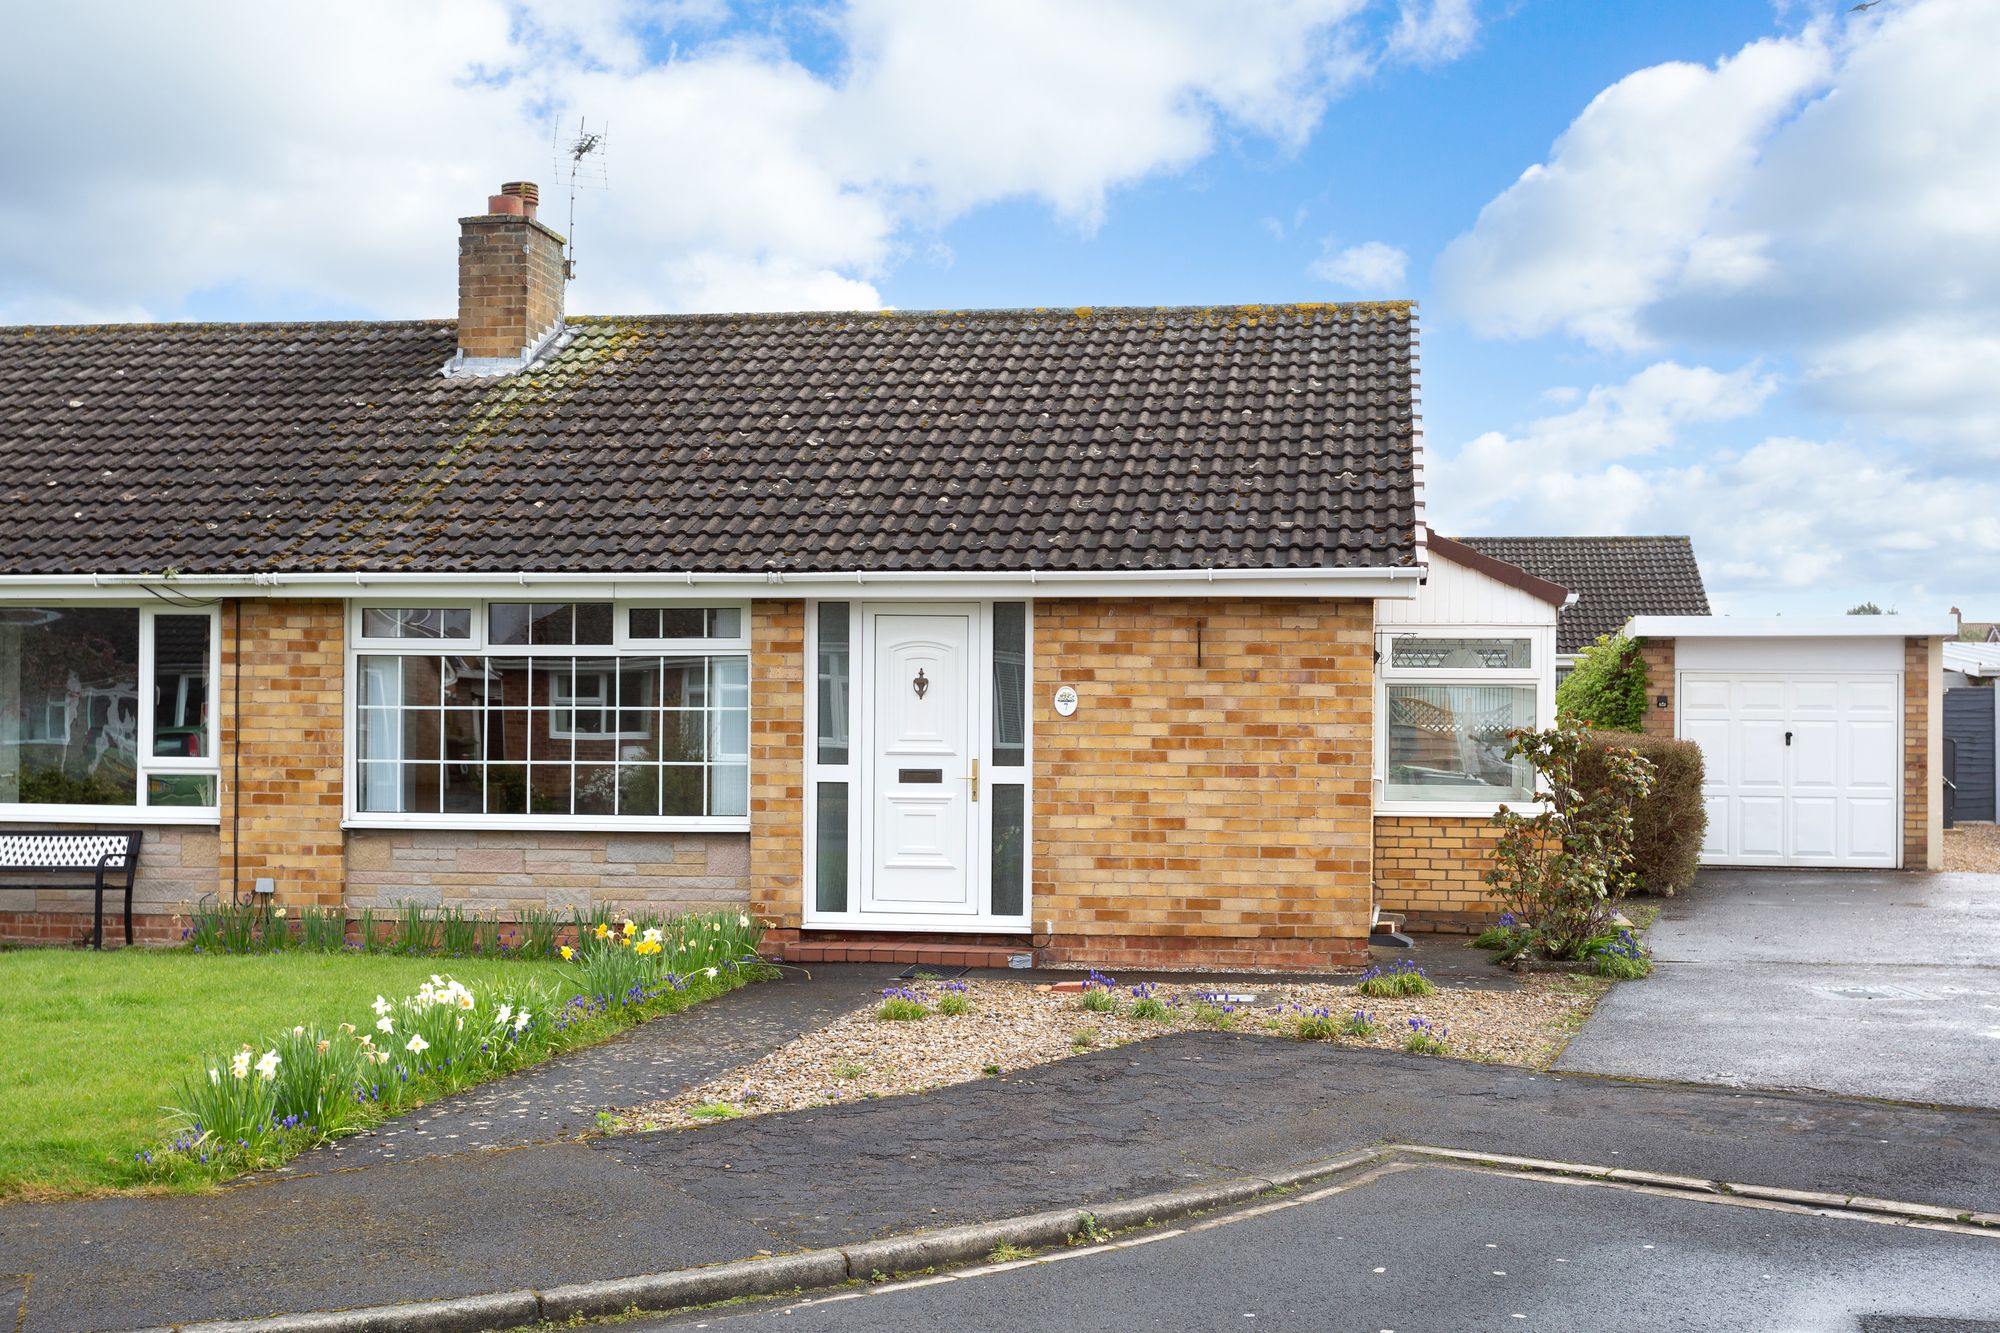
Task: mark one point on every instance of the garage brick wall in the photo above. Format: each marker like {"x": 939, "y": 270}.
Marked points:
{"x": 1923, "y": 707}
{"x": 1658, "y": 655}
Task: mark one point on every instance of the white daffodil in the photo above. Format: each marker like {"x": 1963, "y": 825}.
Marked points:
{"x": 381, "y": 1006}
{"x": 502, "y": 1014}
{"x": 267, "y": 1067}
{"x": 239, "y": 1063}
{"x": 385, "y": 1024}
{"x": 459, "y": 1022}
{"x": 520, "y": 1020}
{"x": 416, "y": 1045}
{"x": 214, "y": 1075}
{"x": 652, "y": 935}
{"x": 743, "y": 920}
{"x": 711, "y": 973}
{"x": 299, "y": 1031}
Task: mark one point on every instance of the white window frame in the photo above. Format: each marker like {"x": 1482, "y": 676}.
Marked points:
{"x": 479, "y": 646}
{"x": 145, "y": 764}
{"x": 860, "y": 658}
{"x": 1539, "y": 673}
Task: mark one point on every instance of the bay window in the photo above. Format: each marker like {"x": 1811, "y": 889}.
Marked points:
{"x": 107, "y": 708}
{"x": 1449, "y": 698}
{"x": 553, "y": 713}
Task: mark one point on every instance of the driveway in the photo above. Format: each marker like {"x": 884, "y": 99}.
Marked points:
{"x": 1874, "y": 984}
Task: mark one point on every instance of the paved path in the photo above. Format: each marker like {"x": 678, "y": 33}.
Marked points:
{"x": 1881, "y": 985}
{"x": 1118, "y": 1123}
{"x": 1450, "y": 1248}
{"x": 560, "y": 1098}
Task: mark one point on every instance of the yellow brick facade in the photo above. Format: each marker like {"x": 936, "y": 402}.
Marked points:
{"x": 281, "y": 752}
{"x": 1432, "y": 869}
{"x": 777, "y": 763}
{"x": 1209, "y": 801}
{"x": 1658, "y": 655}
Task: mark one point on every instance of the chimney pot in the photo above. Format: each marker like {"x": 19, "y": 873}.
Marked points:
{"x": 527, "y": 192}
{"x": 506, "y": 204}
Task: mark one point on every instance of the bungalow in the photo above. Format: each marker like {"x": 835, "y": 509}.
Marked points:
{"x": 1111, "y": 635}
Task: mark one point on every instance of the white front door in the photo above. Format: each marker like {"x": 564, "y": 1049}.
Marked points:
{"x": 920, "y": 723}
{"x": 1800, "y": 768}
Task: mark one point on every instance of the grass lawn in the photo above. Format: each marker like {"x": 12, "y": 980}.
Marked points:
{"x": 92, "y": 1045}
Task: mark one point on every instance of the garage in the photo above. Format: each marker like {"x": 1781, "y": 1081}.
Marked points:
{"x": 1818, "y": 734}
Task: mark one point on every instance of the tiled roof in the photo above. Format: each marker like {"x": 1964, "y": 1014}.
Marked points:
{"x": 1239, "y": 437}
{"x": 1614, "y": 579}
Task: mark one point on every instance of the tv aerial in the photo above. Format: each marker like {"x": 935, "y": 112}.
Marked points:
{"x": 580, "y": 161}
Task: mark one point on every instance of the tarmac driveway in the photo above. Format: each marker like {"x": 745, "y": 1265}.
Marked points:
{"x": 1874, "y": 984}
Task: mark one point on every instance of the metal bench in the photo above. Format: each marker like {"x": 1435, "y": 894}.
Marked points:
{"x": 104, "y": 855}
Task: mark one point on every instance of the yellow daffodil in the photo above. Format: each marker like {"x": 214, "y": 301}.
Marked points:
{"x": 568, "y": 953}
{"x": 630, "y": 930}
{"x": 603, "y": 931}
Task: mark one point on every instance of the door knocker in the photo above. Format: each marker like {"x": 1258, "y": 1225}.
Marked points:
{"x": 921, "y": 685}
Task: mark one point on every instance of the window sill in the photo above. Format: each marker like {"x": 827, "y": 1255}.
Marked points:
{"x": 1455, "y": 809}
{"x": 553, "y": 823}
{"x": 116, "y": 816}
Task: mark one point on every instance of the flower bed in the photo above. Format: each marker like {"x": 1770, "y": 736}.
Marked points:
{"x": 1011, "y": 1025}
{"x": 266, "y": 1101}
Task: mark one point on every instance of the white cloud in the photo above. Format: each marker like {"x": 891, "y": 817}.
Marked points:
{"x": 1373, "y": 267}
{"x": 1620, "y": 211}
{"x": 1831, "y": 197}
{"x": 1430, "y": 31}
{"x": 289, "y": 156}
{"x": 1786, "y": 524}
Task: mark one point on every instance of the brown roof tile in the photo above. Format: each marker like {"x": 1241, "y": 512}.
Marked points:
{"x": 1614, "y": 579}
{"x": 1246, "y": 437}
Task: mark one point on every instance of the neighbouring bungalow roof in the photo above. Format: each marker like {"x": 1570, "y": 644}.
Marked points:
{"x": 1613, "y": 578}
{"x": 1247, "y": 437}
{"x": 1973, "y": 659}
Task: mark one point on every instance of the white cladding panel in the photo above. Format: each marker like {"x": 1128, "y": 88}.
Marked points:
{"x": 1454, "y": 595}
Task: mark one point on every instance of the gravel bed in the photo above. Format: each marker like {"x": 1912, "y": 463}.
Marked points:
{"x": 1013, "y": 1025}
{"x": 1973, "y": 848}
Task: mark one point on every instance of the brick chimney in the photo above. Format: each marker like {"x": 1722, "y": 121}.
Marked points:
{"x": 510, "y": 284}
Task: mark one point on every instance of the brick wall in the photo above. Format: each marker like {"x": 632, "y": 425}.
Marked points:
{"x": 177, "y": 865}
{"x": 288, "y": 733}
{"x": 777, "y": 763}
{"x": 502, "y": 872}
{"x": 1658, "y": 655}
{"x": 1204, "y": 805}
{"x": 1432, "y": 869}
{"x": 510, "y": 284}
{"x": 1923, "y": 703}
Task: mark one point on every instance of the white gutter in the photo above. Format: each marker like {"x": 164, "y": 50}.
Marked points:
{"x": 1369, "y": 581}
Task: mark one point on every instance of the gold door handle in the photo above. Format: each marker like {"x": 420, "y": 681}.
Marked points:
{"x": 975, "y": 782}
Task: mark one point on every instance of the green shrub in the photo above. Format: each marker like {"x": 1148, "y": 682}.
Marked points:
{"x": 1607, "y": 687}
{"x": 1669, "y": 821}
{"x": 1563, "y": 868}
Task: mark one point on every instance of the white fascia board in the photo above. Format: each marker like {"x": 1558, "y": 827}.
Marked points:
{"x": 1360, "y": 582}
{"x": 1789, "y": 627}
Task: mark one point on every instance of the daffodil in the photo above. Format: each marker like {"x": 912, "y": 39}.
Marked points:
{"x": 381, "y": 1006}
{"x": 214, "y": 1075}
{"x": 416, "y": 1045}
{"x": 711, "y": 973}
{"x": 385, "y": 1024}
{"x": 267, "y": 1067}
{"x": 652, "y": 935}
{"x": 603, "y": 931}
{"x": 743, "y": 921}
{"x": 630, "y": 930}
{"x": 520, "y": 1020}
{"x": 299, "y": 1031}
{"x": 568, "y": 953}
{"x": 502, "y": 1014}
{"x": 239, "y": 1063}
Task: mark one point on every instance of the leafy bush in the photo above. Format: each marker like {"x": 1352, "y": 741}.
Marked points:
{"x": 1563, "y": 868}
{"x": 1401, "y": 977}
{"x": 1607, "y": 686}
{"x": 1669, "y": 821}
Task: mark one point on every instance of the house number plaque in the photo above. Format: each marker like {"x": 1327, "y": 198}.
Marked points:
{"x": 1066, "y": 700}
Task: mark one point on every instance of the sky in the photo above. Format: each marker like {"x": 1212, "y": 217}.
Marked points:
{"x": 1713, "y": 267}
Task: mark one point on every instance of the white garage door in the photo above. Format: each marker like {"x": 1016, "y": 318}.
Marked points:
{"x": 1803, "y": 768}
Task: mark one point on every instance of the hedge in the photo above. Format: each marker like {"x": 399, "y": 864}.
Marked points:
{"x": 1669, "y": 823}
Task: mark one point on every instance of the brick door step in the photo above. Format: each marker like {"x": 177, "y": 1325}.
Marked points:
{"x": 906, "y": 953}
